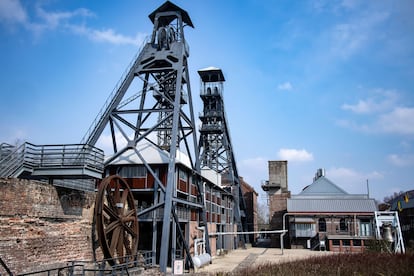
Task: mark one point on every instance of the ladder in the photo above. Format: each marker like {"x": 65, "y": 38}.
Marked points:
{"x": 385, "y": 219}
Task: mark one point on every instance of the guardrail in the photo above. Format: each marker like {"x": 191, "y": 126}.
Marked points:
{"x": 32, "y": 157}
{"x": 143, "y": 259}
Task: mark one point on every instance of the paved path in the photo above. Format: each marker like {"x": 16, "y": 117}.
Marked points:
{"x": 242, "y": 258}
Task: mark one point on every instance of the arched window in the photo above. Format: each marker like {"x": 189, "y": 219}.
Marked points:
{"x": 322, "y": 225}
{"x": 215, "y": 90}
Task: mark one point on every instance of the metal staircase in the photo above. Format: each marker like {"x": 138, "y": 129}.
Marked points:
{"x": 114, "y": 99}
{"x": 387, "y": 228}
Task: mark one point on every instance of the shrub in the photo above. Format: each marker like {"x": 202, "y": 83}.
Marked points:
{"x": 369, "y": 263}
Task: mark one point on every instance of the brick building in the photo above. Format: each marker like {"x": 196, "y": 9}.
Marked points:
{"x": 250, "y": 198}
{"x": 324, "y": 216}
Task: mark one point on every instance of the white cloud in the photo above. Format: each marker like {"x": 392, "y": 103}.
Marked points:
{"x": 110, "y": 36}
{"x": 387, "y": 116}
{"x": 398, "y": 121}
{"x": 295, "y": 155}
{"x": 54, "y": 19}
{"x": 285, "y": 86}
{"x": 12, "y": 12}
{"x": 350, "y": 37}
{"x": 401, "y": 160}
{"x": 350, "y": 180}
{"x": 380, "y": 101}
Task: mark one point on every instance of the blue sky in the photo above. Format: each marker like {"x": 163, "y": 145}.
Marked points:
{"x": 322, "y": 84}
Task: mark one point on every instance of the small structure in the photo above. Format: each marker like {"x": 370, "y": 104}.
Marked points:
{"x": 324, "y": 215}
{"x": 404, "y": 205}
{"x": 277, "y": 190}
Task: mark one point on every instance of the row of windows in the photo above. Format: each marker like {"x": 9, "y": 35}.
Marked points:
{"x": 365, "y": 228}
{"x": 347, "y": 242}
{"x": 133, "y": 171}
{"x": 213, "y": 196}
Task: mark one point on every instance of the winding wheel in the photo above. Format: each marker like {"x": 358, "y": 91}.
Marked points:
{"x": 116, "y": 220}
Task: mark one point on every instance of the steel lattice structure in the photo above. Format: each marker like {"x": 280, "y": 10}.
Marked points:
{"x": 160, "y": 113}
{"x": 215, "y": 147}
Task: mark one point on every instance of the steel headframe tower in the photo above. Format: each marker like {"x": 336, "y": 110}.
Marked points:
{"x": 215, "y": 147}
{"x": 161, "y": 113}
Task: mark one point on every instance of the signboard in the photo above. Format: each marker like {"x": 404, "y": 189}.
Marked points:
{"x": 178, "y": 267}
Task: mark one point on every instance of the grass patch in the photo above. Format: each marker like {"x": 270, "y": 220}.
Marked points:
{"x": 370, "y": 263}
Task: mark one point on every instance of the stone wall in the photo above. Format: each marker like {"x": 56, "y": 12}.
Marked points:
{"x": 43, "y": 226}
{"x": 278, "y": 207}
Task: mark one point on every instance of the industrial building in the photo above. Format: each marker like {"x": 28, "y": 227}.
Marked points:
{"x": 167, "y": 190}
{"x": 325, "y": 217}
{"x": 404, "y": 205}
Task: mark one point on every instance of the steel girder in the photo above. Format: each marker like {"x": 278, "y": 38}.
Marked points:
{"x": 160, "y": 113}
{"x": 215, "y": 147}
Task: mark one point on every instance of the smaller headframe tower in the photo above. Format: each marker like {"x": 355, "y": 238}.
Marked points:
{"x": 215, "y": 147}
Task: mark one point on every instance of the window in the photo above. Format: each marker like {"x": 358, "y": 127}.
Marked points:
{"x": 365, "y": 227}
{"x": 133, "y": 171}
{"x": 322, "y": 225}
{"x": 356, "y": 242}
{"x": 183, "y": 175}
{"x": 342, "y": 225}
{"x": 305, "y": 229}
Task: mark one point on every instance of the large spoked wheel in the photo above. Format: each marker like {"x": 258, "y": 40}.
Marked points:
{"x": 116, "y": 220}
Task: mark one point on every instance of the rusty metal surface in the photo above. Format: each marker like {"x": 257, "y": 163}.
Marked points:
{"x": 116, "y": 220}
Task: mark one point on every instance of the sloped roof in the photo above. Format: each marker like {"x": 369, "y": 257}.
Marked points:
{"x": 335, "y": 205}
{"x": 323, "y": 196}
{"x": 168, "y": 6}
{"x": 152, "y": 155}
{"x": 322, "y": 186}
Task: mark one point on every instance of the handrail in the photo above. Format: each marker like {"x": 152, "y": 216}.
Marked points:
{"x": 12, "y": 161}
{"x": 52, "y": 156}
{"x": 111, "y": 96}
{"x": 140, "y": 259}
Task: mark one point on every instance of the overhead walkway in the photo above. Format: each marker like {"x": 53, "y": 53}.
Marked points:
{"x": 70, "y": 161}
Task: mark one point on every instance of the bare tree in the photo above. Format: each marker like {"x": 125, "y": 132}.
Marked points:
{"x": 262, "y": 215}
{"x": 388, "y": 199}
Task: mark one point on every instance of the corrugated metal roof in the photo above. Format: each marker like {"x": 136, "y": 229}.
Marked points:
{"x": 335, "y": 205}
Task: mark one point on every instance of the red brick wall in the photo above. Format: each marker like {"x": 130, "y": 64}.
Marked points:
{"x": 42, "y": 226}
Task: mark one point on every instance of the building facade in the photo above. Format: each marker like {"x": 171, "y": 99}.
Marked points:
{"x": 250, "y": 198}
{"x": 218, "y": 202}
{"x": 404, "y": 205}
{"x": 324, "y": 216}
